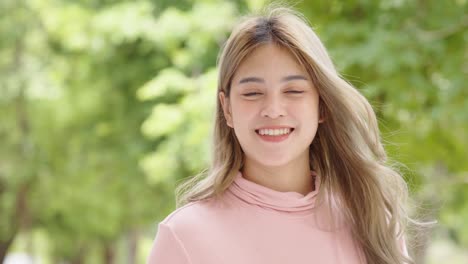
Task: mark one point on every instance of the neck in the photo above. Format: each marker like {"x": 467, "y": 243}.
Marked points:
{"x": 292, "y": 177}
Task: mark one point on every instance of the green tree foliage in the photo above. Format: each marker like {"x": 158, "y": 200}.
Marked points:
{"x": 70, "y": 127}
{"x": 183, "y": 92}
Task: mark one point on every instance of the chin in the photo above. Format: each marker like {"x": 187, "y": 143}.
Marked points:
{"x": 271, "y": 161}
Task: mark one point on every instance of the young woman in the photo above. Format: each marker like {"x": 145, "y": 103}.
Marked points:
{"x": 299, "y": 174}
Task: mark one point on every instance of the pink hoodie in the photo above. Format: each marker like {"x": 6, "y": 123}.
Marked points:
{"x": 253, "y": 224}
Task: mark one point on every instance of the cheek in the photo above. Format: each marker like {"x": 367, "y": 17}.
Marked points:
{"x": 242, "y": 112}
{"x": 307, "y": 116}
{"x": 310, "y": 106}
{"x": 306, "y": 109}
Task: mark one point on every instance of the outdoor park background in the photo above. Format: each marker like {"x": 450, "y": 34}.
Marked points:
{"x": 105, "y": 105}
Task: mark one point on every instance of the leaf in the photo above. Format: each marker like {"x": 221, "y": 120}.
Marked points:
{"x": 164, "y": 120}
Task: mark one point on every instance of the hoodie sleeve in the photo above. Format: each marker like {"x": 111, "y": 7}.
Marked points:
{"x": 167, "y": 248}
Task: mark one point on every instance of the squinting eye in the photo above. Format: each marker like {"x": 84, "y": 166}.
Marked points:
{"x": 295, "y": 92}
{"x": 251, "y": 94}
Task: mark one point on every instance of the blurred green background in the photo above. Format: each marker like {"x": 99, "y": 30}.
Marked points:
{"x": 106, "y": 105}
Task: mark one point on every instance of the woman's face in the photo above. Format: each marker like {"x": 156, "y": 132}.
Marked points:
{"x": 273, "y": 107}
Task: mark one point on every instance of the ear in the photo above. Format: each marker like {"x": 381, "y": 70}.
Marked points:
{"x": 226, "y": 108}
{"x": 321, "y": 112}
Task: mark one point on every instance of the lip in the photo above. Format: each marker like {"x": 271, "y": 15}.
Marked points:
{"x": 276, "y": 139}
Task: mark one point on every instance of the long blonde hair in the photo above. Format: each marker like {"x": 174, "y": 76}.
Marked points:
{"x": 347, "y": 151}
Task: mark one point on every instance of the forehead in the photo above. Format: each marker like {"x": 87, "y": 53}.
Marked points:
{"x": 269, "y": 60}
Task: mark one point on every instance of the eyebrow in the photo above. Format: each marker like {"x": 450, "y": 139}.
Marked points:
{"x": 284, "y": 79}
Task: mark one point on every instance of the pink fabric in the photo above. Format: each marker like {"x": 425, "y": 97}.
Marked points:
{"x": 253, "y": 224}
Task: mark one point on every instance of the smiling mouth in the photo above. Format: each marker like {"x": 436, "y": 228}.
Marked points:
{"x": 274, "y": 132}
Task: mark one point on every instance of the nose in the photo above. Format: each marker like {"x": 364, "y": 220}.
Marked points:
{"x": 273, "y": 107}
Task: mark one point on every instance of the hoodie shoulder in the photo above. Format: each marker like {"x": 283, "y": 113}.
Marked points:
{"x": 196, "y": 214}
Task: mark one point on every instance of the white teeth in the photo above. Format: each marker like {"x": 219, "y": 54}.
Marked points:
{"x": 274, "y": 132}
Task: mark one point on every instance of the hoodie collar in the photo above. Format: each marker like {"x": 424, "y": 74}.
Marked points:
{"x": 259, "y": 195}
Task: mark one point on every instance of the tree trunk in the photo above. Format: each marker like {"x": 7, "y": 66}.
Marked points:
{"x": 132, "y": 246}
{"x": 79, "y": 258}
{"x": 109, "y": 253}
{"x": 22, "y": 121}
{"x": 4, "y": 246}
{"x": 20, "y": 218}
